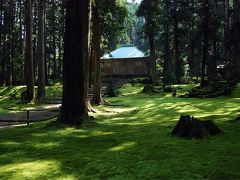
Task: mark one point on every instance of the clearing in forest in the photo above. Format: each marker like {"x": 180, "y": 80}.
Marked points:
{"x": 129, "y": 139}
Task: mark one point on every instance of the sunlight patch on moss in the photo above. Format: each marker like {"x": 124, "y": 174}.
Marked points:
{"x": 110, "y": 112}
{"x": 9, "y": 143}
{"x": 150, "y": 105}
{"x": 30, "y": 170}
{"x": 69, "y": 131}
{"x": 101, "y": 133}
{"x": 44, "y": 145}
{"x": 188, "y": 110}
{"x": 123, "y": 146}
{"x": 132, "y": 140}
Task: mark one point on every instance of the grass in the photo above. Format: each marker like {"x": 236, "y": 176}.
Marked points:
{"x": 10, "y": 97}
{"x": 131, "y": 140}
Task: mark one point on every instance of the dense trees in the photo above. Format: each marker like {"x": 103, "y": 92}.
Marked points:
{"x": 106, "y": 34}
{"x": 205, "y": 56}
{"x": 38, "y": 27}
{"x": 149, "y": 10}
{"x": 175, "y": 31}
{"x": 236, "y": 39}
{"x": 49, "y": 35}
{"x": 13, "y": 34}
{"x": 185, "y": 39}
{"x": 192, "y": 38}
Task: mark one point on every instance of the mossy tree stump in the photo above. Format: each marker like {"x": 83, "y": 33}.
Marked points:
{"x": 190, "y": 127}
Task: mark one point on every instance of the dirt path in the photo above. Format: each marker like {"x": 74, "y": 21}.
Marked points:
{"x": 40, "y": 113}
{"x": 7, "y": 125}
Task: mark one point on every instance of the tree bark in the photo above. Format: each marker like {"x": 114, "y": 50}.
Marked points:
{"x": 178, "y": 64}
{"x": 4, "y": 49}
{"x": 34, "y": 35}
{"x": 236, "y": 41}
{"x": 191, "y": 44}
{"x": 166, "y": 64}
{"x": 55, "y": 71}
{"x": 29, "y": 52}
{"x": 75, "y": 62}
{"x": 212, "y": 63}
{"x": 9, "y": 42}
{"x": 226, "y": 31}
{"x": 1, "y": 46}
{"x": 97, "y": 97}
{"x": 151, "y": 35}
{"x": 41, "y": 93}
{"x": 21, "y": 39}
{"x": 60, "y": 40}
{"x": 9, "y": 62}
{"x": 59, "y": 66}
{"x": 205, "y": 56}
{"x": 46, "y": 63}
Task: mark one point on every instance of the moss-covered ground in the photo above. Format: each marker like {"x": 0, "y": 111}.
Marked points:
{"x": 10, "y": 98}
{"x": 130, "y": 139}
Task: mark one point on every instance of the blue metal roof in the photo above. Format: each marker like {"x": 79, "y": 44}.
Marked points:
{"x": 127, "y": 51}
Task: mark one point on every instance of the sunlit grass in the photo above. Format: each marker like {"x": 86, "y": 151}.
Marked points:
{"x": 122, "y": 146}
{"x": 10, "y": 98}
{"x": 130, "y": 140}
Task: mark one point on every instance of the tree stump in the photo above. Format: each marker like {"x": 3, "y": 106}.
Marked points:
{"x": 190, "y": 127}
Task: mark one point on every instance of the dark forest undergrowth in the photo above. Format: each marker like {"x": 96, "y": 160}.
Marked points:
{"x": 131, "y": 139}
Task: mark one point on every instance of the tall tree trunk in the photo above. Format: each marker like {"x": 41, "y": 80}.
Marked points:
{"x": 60, "y": 39}
{"x": 55, "y": 72}
{"x": 34, "y": 36}
{"x": 191, "y": 44}
{"x": 151, "y": 35}
{"x": 205, "y": 55}
{"x": 178, "y": 64}
{"x": 236, "y": 41}
{"x": 9, "y": 62}
{"x": 1, "y": 46}
{"x": 212, "y": 63}
{"x": 75, "y": 61}
{"x": 4, "y": 45}
{"x": 41, "y": 94}
{"x": 29, "y": 75}
{"x": 226, "y": 31}
{"x": 59, "y": 66}
{"x": 10, "y": 27}
{"x": 191, "y": 52}
{"x": 45, "y": 54}
{"x": 166, "y": 65}
{"x": 21, "y": 39}
{"x": 97, "y": 97}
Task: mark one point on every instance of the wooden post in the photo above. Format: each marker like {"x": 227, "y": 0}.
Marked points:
{"x": 28, "y": 114}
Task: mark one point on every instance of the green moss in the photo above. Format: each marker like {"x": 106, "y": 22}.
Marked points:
{"x": 131, "y": 140}
{"x": 10, "y": 97}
